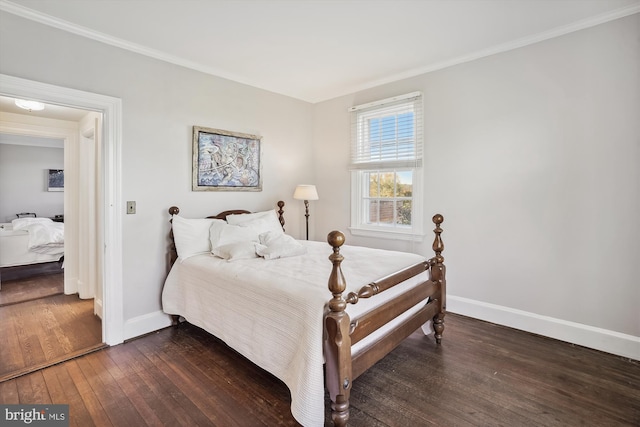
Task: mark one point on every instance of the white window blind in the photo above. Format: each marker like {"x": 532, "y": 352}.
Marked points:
{"x": 387, "y": 133}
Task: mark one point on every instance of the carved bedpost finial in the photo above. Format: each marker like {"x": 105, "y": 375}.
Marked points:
{"x": 281, "y": 213}
{"x": 173, "y": 252}
{"x": 336, "y": 239}
{"x": 337, "y": 284}
{"x": 438, "y": 246}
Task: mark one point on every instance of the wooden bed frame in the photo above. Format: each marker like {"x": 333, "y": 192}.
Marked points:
{"x": 341, "y": 366}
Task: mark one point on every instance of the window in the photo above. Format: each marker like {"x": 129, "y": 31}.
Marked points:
{"x": 386, "y": 168}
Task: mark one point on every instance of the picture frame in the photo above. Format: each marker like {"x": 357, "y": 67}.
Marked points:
{"x": 55, "y": 180}
{"x": 226, "y": 161}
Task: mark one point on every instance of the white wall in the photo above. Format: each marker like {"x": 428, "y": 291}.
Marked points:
{"x": 161, "y": 102}
{"x": 533, "y": 158}
{"x": 23, "y": 180}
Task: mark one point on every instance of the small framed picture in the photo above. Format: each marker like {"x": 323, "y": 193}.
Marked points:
{"x": 55, "y": 180}
{"x": 226, "y": 161}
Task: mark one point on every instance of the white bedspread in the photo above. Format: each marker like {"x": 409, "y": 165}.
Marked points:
{"x": 45, "y": 236}
{"x": 271, "y": 311}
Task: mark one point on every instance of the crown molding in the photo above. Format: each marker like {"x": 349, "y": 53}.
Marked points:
{"x": 98, "y": 36}
{"x": 504, "y": 47}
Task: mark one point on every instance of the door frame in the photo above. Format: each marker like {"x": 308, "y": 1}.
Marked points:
{"x": 111, "y": 204}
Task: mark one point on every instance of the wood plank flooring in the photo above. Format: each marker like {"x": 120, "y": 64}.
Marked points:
{"x": 481, "y": 375}
{"x": 30, "y": 286}
{"x": 30, "y": 270}
{"x": 44, "y": 331}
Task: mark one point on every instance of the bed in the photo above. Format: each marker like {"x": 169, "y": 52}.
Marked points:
{"x": 273, "y": 306}
{"x": 27, "y": 241}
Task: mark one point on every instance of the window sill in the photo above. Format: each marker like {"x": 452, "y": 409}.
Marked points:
{"x": 387, "y": 234}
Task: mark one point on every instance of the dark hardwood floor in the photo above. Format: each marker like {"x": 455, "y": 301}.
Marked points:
{"x": 481, "y": 375}
{"x": 40, "y": 326}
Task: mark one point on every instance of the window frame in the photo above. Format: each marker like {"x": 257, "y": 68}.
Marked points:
{"x": 360, "y": 170}
{"x": 360, "y": 228}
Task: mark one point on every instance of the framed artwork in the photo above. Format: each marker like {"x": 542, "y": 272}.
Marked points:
{"x": 226, "y": 161}
{"x": 55, "y": 180}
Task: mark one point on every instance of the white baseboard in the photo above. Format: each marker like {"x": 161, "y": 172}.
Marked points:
{"x": 144, "y": 324}
{"x": 576, "y": 333}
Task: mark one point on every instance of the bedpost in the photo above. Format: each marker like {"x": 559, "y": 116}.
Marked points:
{"x": 281, "y": 213}
{"x": 173, "y": 256}
{"x": 338, "y": 342}
{"x": 438, "y": 275}
{"x": 173, "y": 252}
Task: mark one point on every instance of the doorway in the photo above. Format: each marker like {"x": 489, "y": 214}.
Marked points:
{"x": 67, "y": 140}
{"x": 51, "y": 310}
{"x": 110, "y": 205}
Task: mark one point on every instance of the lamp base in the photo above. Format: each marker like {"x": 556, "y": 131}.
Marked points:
{"x": 306, "y": 214}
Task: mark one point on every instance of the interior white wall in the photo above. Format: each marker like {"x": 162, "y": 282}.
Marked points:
{"x": 532, "y": 156}
{"x": 161, "y": 102}
{"x": 23, "y": 178}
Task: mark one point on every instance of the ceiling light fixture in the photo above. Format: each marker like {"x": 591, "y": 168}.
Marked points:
{"x": 30, "y": 105}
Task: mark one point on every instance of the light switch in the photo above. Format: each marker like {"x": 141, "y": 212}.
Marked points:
{"x": 131, "y": 207}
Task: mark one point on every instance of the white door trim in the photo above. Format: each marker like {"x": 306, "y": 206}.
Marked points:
{"x": 111, "y": 109}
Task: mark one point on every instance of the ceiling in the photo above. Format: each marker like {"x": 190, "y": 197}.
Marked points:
{"x": 316, "y": 50}
{"x": 8, "y": 105}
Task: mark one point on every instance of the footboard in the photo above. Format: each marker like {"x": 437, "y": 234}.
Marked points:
{"x": 342, "y": 367}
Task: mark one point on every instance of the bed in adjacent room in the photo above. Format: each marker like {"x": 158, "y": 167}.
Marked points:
{"x": 240, "y": 277}
{"x": 26, "y": 241}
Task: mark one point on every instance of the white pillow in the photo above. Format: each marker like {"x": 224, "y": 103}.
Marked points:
{"x": 191, "y": 236}
{"x": 264, "y": 225}
{"x": 261, "y": 222}
{"x": 279, "y": 245}
{"x": 234, "y": 251}
{"x": 23, "y": 223}
{"x": 269, "y": 238}
{"x": 237, "y": 219}
{"x": 221, "y": 234}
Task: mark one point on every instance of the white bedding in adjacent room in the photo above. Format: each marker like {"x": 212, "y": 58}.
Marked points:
{"x": 45, "y": 235}
{"x": 271, "y": 311}
{"x": 30, "y": 241}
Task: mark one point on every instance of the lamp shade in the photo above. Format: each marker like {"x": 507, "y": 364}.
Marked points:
{"x": 305, "y": 192}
